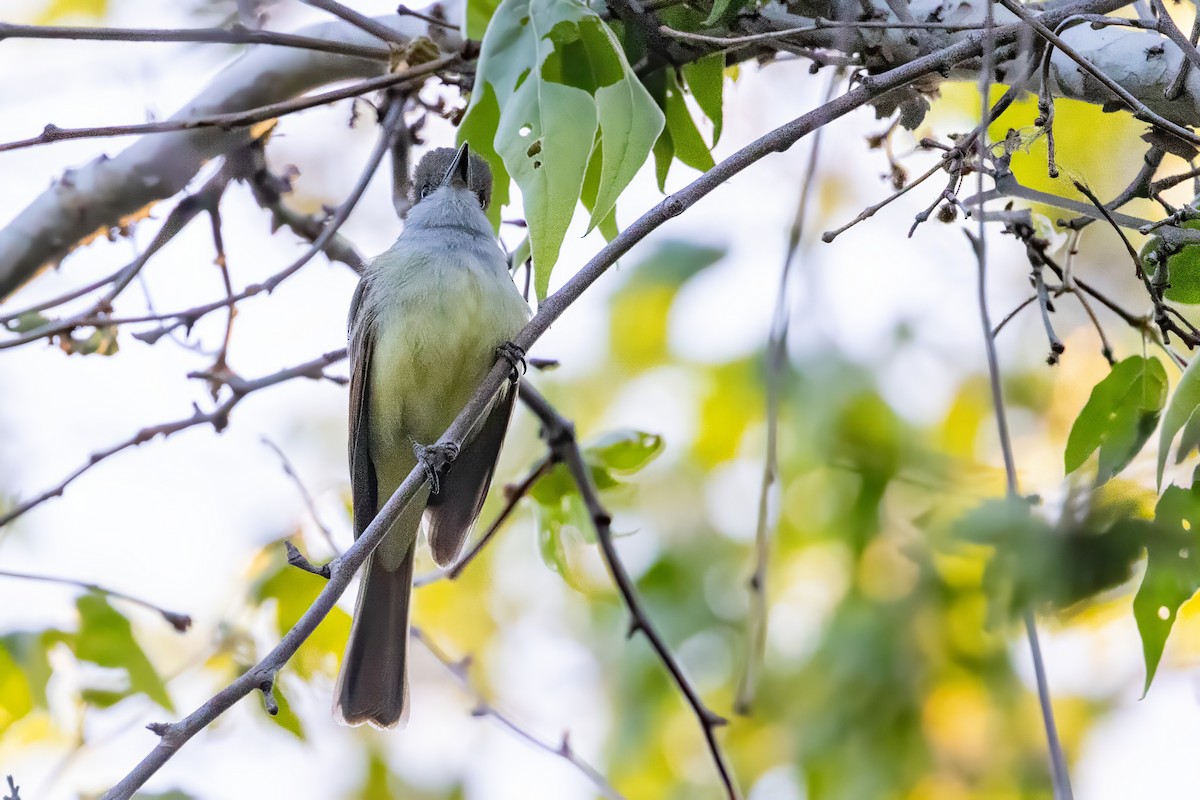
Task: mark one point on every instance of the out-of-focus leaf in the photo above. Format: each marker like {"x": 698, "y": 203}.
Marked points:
{"x": 624, "y": 452}
{"x": 672, "y": 263}
{"x": 723, "y": 11}
{"x": 293, "y": 591}
{"x": 173, "y": 794}
{"x": 1036, "y": 566}
{"x": 67, "y": 9}
{"x": 105, "y": 638}
{"x": 551, "y": 74}
{"x": 1172, "y": 571}
{"x": 705, "y": 79}
{"x": 1180, "y": 408}
{"x": 24, "y": 323}
{"x": 16, "y": 691}
{"x": 102, "y": 341}
{"x": 1119, "y": 416}
{"x": 27, "y": 652}
{"x": 286, "y": 717}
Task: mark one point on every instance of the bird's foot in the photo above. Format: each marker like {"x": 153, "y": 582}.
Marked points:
{"x": 515, "y": 356}
{"x": 435, "y": 458}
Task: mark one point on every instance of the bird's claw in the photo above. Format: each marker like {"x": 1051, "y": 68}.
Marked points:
{"x": 435, "y": 458}
{"x": 515, "y": 356}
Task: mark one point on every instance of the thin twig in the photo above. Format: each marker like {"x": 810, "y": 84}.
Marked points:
{"x": 512, "y": 496}
{"x": 560, "y": 438}
{"x": 12, "y": 787}
{"x": 234, "y": 34}
{"x": 393, "y": 120}
{"x": 484, "y": 708}
{"x": 240, "y": 119}
{"x": 305, "y": 495}
{"x": 361, "y": 21}
{"x": 218, "y": 417}
{"x": 1140, "y": 109}
{"x": 776, "y": 361}
{"x": 180, "y": 622}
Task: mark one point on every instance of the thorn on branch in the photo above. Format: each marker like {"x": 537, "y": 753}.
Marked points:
{"x": 296, "y": 559}
{"x": 159, "y": 729}
{"x": 267, "y": 687}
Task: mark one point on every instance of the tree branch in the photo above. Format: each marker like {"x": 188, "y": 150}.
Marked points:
{"x": 180, "y": 622}
{"x": 218, "y": 417}
{"x": 102, "y": 193}
{"x": 560, "y": 438}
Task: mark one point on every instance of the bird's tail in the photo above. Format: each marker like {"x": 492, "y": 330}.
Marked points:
{"x": 373, "y": 684}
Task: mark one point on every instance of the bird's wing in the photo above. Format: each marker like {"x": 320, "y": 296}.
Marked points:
{"x": 364, "y": 483}
{"x": 453, "y": 510}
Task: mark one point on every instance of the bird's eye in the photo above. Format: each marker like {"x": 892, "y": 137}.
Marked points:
{"x": 482, "y": 199}
{"x": 425, "y": 190}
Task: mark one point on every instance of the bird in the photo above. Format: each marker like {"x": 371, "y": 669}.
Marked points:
{"x": 426, "y": 322}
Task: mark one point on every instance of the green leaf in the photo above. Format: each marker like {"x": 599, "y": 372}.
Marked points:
{"x": 705, "y": 79}
{"x": 555, "y": 170}
{"x": 479, "y": 14}
{"x": 60, "y": 10}
{"x": 105, "y": 638}
{"x": 723, "y": 12}
{"x": 479, "y": 128}
{"x": 591, "y": 185}
{"x": 1172, "y": 571}
{"x": 551, "y": 75}
{"x": 1119, "y": 417}
{"x": 689, "y": 145}
{"x": 672, "y": 263}
{"x": 29, "y": 321}
{"x": 1182, "y": 405}
{"x": 624, "y": 452}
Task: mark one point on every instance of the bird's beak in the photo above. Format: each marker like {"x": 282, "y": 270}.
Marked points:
{"x": 458, "y": 167}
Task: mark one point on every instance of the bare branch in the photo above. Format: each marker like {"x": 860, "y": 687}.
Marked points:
{"x": 361, "y": 21}
{"x": 99, "y": 195}
{"x": 305, "y": 495}
{"x": 484, "y": 708}
{"x": 560, "y": 438}
{"x": 239, "y": 119}
{"x": 234, "y": 34}
{"x": 180, "y": 622}
{"x": 218, "y": 417}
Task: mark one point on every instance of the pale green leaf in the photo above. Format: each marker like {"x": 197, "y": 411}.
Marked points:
{"x": 1184, "y": 402}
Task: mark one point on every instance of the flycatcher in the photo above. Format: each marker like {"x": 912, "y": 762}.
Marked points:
{"x": 425, "y": 325}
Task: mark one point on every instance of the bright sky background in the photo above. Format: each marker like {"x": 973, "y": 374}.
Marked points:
{"x": 176, "y": 522}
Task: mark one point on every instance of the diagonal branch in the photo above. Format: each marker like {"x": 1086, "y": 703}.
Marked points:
{"x": 560, "y": 438}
